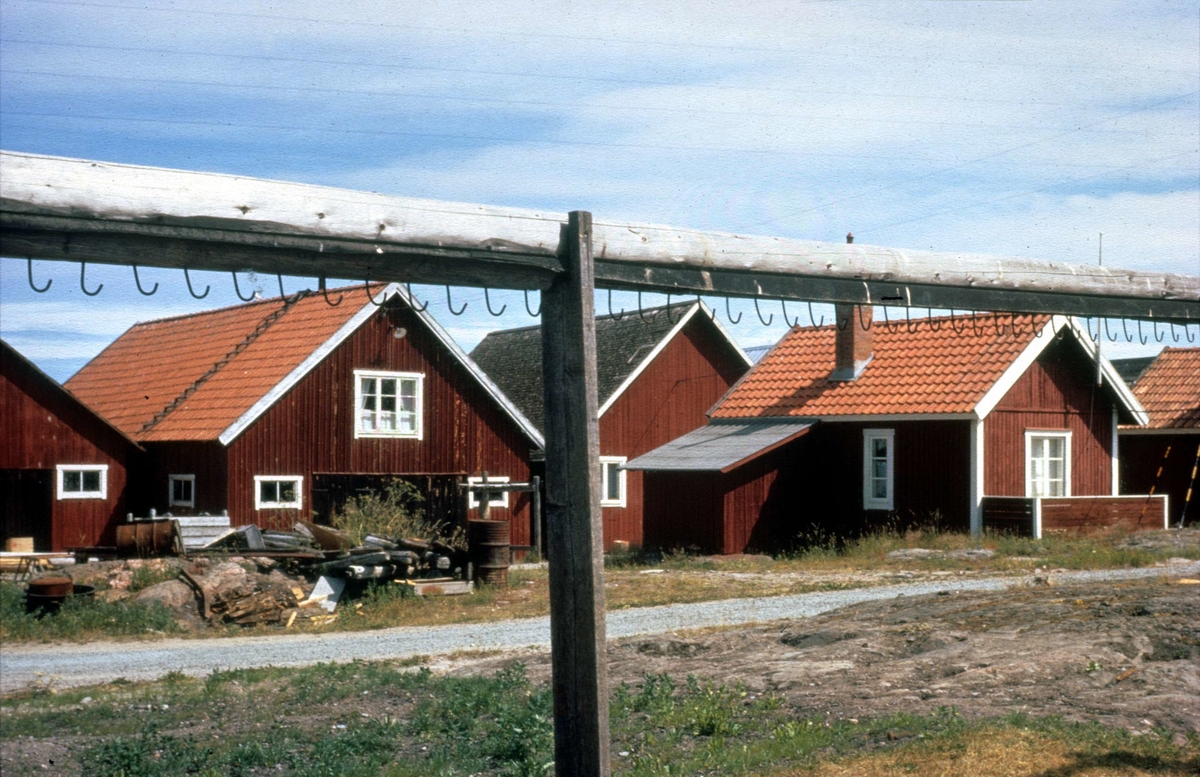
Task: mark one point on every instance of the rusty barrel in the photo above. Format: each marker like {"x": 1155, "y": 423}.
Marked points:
{"x": 488, "y": 545}
{"x": 149, "y": 538}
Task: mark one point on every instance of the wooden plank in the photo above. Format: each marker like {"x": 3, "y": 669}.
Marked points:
{"x": 574, "y": 528}
{"x": 70, "y": 209}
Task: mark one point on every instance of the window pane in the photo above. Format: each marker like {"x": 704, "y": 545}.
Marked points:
{"x": 879, "y": 468}
{"x": 287, "y": 491}
{"x": 612, "y": 473}
{"x": 387, "y": 403}
{"x": 879, "y": 489}
{"x": 267, "y": 491}
{"x": 879, "y": 448}
{"x": 407, "y": 422}
{"x": 1054, "y": 447}
{"x": 368, "y": 387}
{"x": 72, "y": 481}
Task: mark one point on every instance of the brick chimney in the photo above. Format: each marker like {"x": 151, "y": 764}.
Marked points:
{"x": 853, "y": 348}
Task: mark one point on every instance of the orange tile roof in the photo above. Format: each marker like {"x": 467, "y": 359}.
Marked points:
{"x": 154, "y": 363}
{"x": 1170, "y": 389}
{"x": 924, "y": 371}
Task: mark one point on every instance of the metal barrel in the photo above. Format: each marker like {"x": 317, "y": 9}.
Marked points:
{"x": 488, "y": 545}
{"x": 148, "y": 538}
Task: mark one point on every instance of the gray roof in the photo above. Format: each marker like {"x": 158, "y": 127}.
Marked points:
{"x": 1131, "y": 370}
{"x": 513, "y": 358}
{"x": 720, "y": 446}
{"x": 756, "y": 352}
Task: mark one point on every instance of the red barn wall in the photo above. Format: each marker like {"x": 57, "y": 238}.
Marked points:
{"x": 311, "y": 428}
{"x": 683, "y": 510}
{"x": 44, "y": 427}
{"x": 1057, "y": 392}
{"x": 667, "y": 400}
{"x": 206, "y": 460}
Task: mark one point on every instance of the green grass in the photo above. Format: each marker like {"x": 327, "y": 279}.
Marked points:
{"x": 80, "y": 619}
{"x": 397, "y": 720}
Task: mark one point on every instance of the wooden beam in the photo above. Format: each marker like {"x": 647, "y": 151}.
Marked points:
{"x": 574, "y": 527}
{"x": 70, "y": 209}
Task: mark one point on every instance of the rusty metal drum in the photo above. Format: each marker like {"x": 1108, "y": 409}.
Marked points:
{"x": 488, "y": 544}
{"x": 149, "y": 538}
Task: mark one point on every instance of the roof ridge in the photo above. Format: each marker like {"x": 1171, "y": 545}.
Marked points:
{"x": 245, "y": 342}
{"x": 250, "y": 303}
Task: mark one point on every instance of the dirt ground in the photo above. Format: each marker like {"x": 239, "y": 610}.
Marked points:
{"x": 1124, "y": 654}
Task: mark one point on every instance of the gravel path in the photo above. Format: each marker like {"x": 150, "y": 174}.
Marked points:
{"x": 70, "y": 665}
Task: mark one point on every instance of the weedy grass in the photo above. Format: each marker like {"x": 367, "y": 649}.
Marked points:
{"x": 80, "y": 619}
{"x": 400, "y": 721}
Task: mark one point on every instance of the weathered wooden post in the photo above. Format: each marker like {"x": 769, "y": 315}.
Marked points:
{"x": 535, "y": 508}
{"x": 574, "y": 531}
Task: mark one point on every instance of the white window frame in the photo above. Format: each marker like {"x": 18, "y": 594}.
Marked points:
{"x": 419, "y": 426}
{"x": 100, "y": 494}
{"x": 870, "y": 501}
{"x": 1065, "y": 435}
{"x": 495, "y": 501}
{"x": 171, "y": 500}
{"x": 604, "y": 462}
{"x": 259, "y": 504}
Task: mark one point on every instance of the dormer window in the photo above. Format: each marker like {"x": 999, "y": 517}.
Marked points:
{"x": 387, "y": 404}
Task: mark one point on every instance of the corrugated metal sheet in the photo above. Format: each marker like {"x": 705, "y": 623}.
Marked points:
{"x": 718, "y": 447}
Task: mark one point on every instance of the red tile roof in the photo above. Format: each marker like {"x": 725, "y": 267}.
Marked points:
{"x": 925, "y": 371}
{"x": 1170, "y": 389}
{"x": 156, "y": 363}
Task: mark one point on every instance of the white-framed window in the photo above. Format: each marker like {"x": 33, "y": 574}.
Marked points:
{"x": 278, "y": 491}
{"x": 879, "y": 469}
{"x": 499, "y": 498}
{"x": 1047, "y": 463}
{"x": 387, "y": 404}
{"x": 82, "y": 481}
{"x": 612, "y": 481}
{"x": 181, "y": 490}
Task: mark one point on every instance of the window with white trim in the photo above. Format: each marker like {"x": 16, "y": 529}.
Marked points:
{"x": 387, "y": 404}
{"x": 879, "y": 478}
{"x": 1047, "y": 463}
{"x": 278, "y": 491}
{"x": 612, "y": 481}
{"x": 498, "y": 498}
{"x": 181, "y": 490}
{"x": 82, "y": 481}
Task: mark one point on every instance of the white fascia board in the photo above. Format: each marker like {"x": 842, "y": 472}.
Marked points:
{"x": 631, "y": 377}
{"x": 368, "y": 309}
{"x": 1035, "y": 348}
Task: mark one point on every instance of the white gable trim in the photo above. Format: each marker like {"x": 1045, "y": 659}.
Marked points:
{"x": 340, "y": 336}
{"x": 696, "y": 307}
{"x": 1032, "y": 351}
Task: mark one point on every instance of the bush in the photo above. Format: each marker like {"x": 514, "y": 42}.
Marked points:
{"x": 397, "y": 512}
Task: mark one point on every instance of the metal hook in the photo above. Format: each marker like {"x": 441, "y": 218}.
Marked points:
{"x": 187, "y": 277}
{"x": 83, "y": 286}
{"x": 283, "y": 297}
{"x": 642, "y": 313}
{"x": 539, "y": 310}
{"x": 759, "y": 312}
{"x": 1125, "y": 329}
{"x": 929, "y": 320}
{"x": 866, "y": 325}
{"x": 1108, "y": 331}
{"x": 713, "y": 311}
{"x": 325, "y": 292}
{"x": 450, "y": 303}
{"x": 813, "y": 319}
{"x": 1174, "y": 336}
{"x": 45, "y": 288}
{"x": 1188, "y": 332}
{"x": 1141, "y": 336}
{"x": 1157, "y": 339}
{"x": 370, "y": 296}
{"x": 887, "y": 324}
{"x": 996, "y": 323}
{"x": 908, "y": 327}
{"x": 138, "y": 281}
{"x": 1012, "y": 319}
{"x": 488, "y": 300}
{"x": 1038, "y": 331}
{"x": 412, "y": 298}
{"x": 789, "y": 324}
{"x": 953, "y": 324}
{"x": 729, "y": 313}
{"x": 237, "y": 290}
{"x": 672, "y": 320}
{"x": 975, "y": 328}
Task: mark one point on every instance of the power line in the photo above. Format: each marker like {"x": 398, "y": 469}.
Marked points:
{"x": 563, "y": 104}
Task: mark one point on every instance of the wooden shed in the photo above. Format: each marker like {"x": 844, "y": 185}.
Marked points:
{"x": 1163, "y": 455}
{"x": 865, "y": 423}
{"x": 63, "y": 468}
{"x": 659, "y": 371}
{"x": 281, "y": 409}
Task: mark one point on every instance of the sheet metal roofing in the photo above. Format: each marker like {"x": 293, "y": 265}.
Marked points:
{"x": 719, "y": 446}
{"x": 154, "y": 363}
{"x": 941, "y": 367}
{"x": 1170, "y": 389}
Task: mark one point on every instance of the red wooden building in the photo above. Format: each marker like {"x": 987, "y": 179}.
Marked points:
{"x": 659, "y": 371}
{"x": 1163, "y": 455}
{"x": 63, "y": 468}
{"x": 279, "y": 410}
{"x": 837, "y": 429}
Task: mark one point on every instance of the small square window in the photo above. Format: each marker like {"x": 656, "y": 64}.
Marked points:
{"x": 387, "y": 404}
{"x": 182, "y": 490}
{"x": 82, "y": 481}
{"x": 499, "y": 498}
{"x": 278, "y": 491}
{"x": 612, "y": 481}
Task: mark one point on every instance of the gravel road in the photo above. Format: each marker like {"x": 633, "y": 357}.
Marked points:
{"x": 71, "y": 665}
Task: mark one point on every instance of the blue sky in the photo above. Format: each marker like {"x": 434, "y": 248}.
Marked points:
{"x": 1017, "y": 128}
